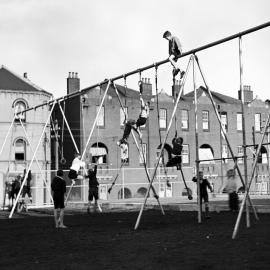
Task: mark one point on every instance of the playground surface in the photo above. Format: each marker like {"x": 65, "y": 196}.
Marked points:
{"x": 108, "y": 241}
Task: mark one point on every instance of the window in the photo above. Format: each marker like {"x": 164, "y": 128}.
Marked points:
{"x": 20, "y": 150}
{"x": 239, "y": 121}
{"x": 99, "y": 153}
{"x": 205, "y": 120}
{"x": 101, "y": 117}
{"x": 124, "y": 155}
{"x": 19, "y": 107}
{"x": 185, "y": 154}
{"x": 224, "y": 120}
{"x": 257, "y": 120}
{"x": 240, "y": 153}
{"x": 184, "y": 119}
{"x": 123, "y": 115}
{"x": 262, "y": 158}
{"x": 224, "y": 152}
{"x": 163, "y": 118}
{"x": 143, "y": 151}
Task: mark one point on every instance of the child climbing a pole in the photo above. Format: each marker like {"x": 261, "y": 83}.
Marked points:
{"x": 176, "y": 154}
{"x": 93, "y": 188}
{"x": 175, "y": 50}
{"x": 135, "y": 125}
{"x": 77, "y": 163}
{"x": 204, "y": 184}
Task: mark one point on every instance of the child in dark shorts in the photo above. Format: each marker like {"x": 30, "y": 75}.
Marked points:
{"x": 93, "y": 188}
{"x": 58, "y": 191}
{"x": 204, "y": 184}
{"x": 176, "y": 156}
{"x": 135, "y": 125}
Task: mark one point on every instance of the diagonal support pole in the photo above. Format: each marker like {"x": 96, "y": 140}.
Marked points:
{"x": 45, "y": 182}
{"x": 68, "y": 127}
{"x": 140, "y": 153}
{"x": 29, "y": 167}
{"x": 96, "y": 119}
{"x": 164, "y": 142}
{"x": 236, "y": 227}
{"x": 224, "y": 133}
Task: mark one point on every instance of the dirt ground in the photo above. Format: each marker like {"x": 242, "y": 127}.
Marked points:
{"x": 108, "y": 241}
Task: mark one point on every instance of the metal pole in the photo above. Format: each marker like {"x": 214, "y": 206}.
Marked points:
{"x": 225, "y": 134}
{"x": 163, "y": 144}
{"x": 68, "y": 127}
{"x": 9, "y": 129}
{"x": 142, "y": 157}
{"x": 56, "y": 145}
{"x": 94, "y": 124}
{"x": 29, "y": 167}
{"x": 243, "y": 126}
{"x": 197, "y": 144}
{"x": 204, "y": 47}
{"x": 45, "y": 182}
{"x": 236, "y": 227}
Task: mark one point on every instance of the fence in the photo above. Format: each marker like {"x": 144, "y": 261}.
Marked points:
{"x": 130, "y": 183}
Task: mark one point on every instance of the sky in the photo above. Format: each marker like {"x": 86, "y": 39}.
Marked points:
{"x": 103, "y": 39}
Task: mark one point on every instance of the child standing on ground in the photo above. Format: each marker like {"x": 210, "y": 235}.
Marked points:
{"x": 58, "y": 191}
{"x": 204, "y": 184}
{"x": 93, "y": 188}
{"x": 175, "y": 50}
{"x": 231, "y": 188}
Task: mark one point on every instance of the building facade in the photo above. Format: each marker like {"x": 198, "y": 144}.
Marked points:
{"x": 18, "y": 93}
{"x": 131, "y": 179}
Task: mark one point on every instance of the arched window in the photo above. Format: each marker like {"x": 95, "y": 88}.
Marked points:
{"x": 262, "y": 159}
{"x": 99, "y": 152}
{"x": 206, "y": 153}
{"x": 20, "y": 106}
{"x": 141, "y": 192}
{"x": 20, "y": 150}
{"x": 127, "y": 193}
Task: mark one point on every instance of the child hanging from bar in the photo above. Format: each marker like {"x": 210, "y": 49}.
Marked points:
{"x": 77, "y": 163}
{"x": 135, "y": 125}
{"x": 204, "y": 184}
{"x": 93, "y": 188}
{"x": 176, "y": 154}
{"x": 175, "y": 50}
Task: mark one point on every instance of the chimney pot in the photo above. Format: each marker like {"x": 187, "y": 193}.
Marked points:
{"x": 25, "y": 75}
{"x": 69, "y": 74}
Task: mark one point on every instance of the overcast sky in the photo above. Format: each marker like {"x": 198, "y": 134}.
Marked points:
{"x": 105, "y": 38}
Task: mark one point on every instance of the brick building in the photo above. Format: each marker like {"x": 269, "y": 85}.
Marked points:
{"x": 132, "y": 180}
{"x": 18, "y": 93}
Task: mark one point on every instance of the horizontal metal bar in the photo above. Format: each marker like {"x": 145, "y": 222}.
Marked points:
{"x": 219, "y": 159}
{"x": 207, "y": 46}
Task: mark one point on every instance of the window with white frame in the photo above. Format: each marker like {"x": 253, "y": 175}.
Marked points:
{"x": 20, "y": 150}
{"x": 19, "y": 107}
{"x": 163, "y": 118}
{"x": 205, "y": 120}
{"x": 143, "y": 150}
{"x": 101, "y": 117}
{"x": 239, "y": 121}
{"x": 123, "y": 115}
{"x": 125, "y": 155}
{"x": 240, "y": 153}
{"x": 224, "y": 120}
{"x": 224, "y": 152}
{"x": 184, "y": 119}
{"x": 257, "y": 120}
{"x": 185, "y": 154}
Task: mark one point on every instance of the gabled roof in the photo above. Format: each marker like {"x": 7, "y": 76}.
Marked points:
{"x": 12, "y": 81}
{"x": 220, "y": 98}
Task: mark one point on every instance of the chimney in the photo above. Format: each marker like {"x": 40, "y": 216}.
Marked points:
{"x": 248, "y": 94}
{"x": 146, "y": 86}
{"x": 176, "y": 88}
{"x": 73, "y": 82}
{"x": 25, "y": 75}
